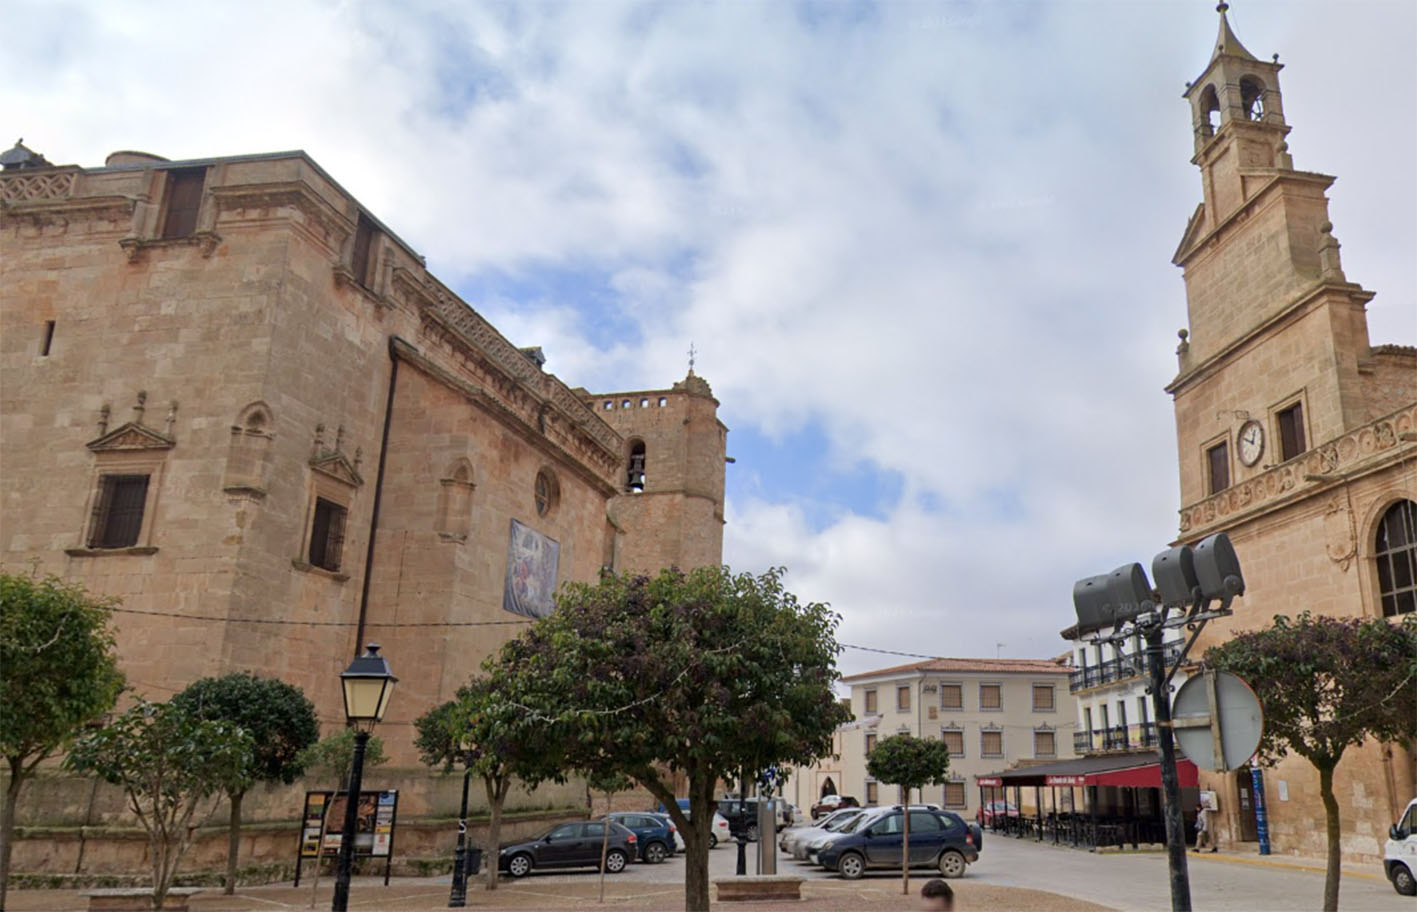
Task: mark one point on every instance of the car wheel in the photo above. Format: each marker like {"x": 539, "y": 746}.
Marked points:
{"x": 519, "y": 865}
{"x": 615, "y": 861}
{"x": 1402, "y": 880}
{"x": 655, "y": 852}
{"x": 851, "y": 866}
{"x": 713, "y": 841}
{"x": 752, "y": 832}
{"x": 952, "y": 864}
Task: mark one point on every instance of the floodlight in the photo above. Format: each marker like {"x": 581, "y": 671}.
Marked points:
{"x": 1175, "y": 573}
{"x": 1218, "y": 569}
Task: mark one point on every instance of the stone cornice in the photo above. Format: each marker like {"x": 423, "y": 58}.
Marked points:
{"x": 113, "y": 208}
{"x": 1298, "y": 308}
{"x": 326, "y": 223}
{"x": 1367, "y": 449}
{"x": 494, "y": 406}
{"x": 1273, "y": 178}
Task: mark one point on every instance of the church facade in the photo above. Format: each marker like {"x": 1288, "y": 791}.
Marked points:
{"x": 234, "y": 399}
{"x": 1295, "y": 434}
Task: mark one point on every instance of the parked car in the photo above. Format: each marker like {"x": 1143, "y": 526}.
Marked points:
{"x": 742, "y": 816}
{"x": 938, "y": 839}
{"x": 831, "y": 803}
{"x": 655, "y": 833}
{"x": 794, "y": 835}
{"x": 991, "y": 809}
{"x": 570, "y": 845}
{"x": 720, "y": 831}
{"x": 1400, "y": 852}
{"x": 856, "y": 819}
{"x": 669, "y": 822}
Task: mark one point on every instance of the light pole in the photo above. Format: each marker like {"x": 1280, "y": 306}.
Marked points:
{"x": 368, "y": 683}
{"x": 1123, "y": 603}
{"x": 458, "y": 897}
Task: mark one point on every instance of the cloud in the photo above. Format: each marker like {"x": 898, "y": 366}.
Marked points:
{"x": 925, "y": 242}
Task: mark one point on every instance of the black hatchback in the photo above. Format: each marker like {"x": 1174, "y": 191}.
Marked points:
{"x": 570, "y": 845}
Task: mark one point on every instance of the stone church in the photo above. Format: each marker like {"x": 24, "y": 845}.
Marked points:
{"x": 233, "y": 398}
{"x": 1295, "y": 434}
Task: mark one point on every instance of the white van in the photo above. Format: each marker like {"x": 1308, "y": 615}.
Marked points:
{"x": 1400, "y": 852}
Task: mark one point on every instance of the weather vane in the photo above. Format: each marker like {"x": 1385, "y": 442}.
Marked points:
{"x": 691, "y": 357}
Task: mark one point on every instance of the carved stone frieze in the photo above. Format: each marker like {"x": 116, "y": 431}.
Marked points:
{"x": 1320, "y": 465}
{"x": 131, "y": 436}
{"x": 1339, "y": 540}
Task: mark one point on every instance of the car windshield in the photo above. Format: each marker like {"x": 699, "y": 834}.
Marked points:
{"x": 842, "y": 822}
{"x": 857, "y": 822}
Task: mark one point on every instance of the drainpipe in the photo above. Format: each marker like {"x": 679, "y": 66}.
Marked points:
{"x": 378, "y": 490}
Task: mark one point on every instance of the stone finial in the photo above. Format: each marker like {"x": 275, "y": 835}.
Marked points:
{"x": 1283, "y": 158}
{"x": 358, "y": 457}
{"x": 319, "y": 441}
{"x": 171, "y": 417}
{"x": 140, "y": 407}
{"x": 1329, "y": 265}
{"x": 103, "y": 414}
{"x": 339, "y": 439}
{"x": 1185, "y": 346}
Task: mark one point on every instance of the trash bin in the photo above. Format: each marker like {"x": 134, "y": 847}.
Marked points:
{"x": 474, "y": 861}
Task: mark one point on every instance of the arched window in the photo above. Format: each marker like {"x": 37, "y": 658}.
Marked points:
{"x": 1209, "y": 110}
{"x": 1252, "y": 97}
{"x": 247, "y": 457}
{"x": 455, "y": 502}
{"x": 635, "y": 476}
{"x": 547, "y": 492}
{"x": 1397, "y": 559}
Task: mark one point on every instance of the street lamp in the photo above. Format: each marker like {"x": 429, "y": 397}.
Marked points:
{"x": 458, "y": 897}
{"x": 1123, "y": 603}
{"x": 368, "y": 683}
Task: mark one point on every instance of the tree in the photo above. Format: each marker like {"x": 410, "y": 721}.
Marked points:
{"x": 332, "y": 757}
{"x": 911, "y": 763}
{"x": 57, "y": 673}
{"x": 503, "y": 744}
{"x": 609, "y": 783}
{"x": 281, "y": 722}
{"x": 1326, "y": 684}
{"x": 168, "y": 762}
{"x": 697, "y": 673}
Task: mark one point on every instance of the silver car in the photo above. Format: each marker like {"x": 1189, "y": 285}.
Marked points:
{"x": 833, "y": 823}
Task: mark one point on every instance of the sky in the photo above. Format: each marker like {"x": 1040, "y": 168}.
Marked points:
{"x": 922, "y": 250}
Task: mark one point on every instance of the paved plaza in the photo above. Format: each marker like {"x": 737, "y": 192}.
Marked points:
{"x": 1011, "y": 874}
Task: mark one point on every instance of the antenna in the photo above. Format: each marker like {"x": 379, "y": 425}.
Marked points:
{"x": 998, "y": 649}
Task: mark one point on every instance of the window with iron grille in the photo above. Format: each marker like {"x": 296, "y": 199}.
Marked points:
{"x": 991, "y": 744}
{"x": 1044, "y": 744}
{"x": 954, "y": 742}
{"x": 954, "y": 795}
{"x": 991, "y": 696}
{"x": 1291, "y": 431}
{"x": 327, "y": 534}
{"x": 118, "y": 512}
{"x": 184, "y": 199}
{"x": 1043, "y": 698}
{"x": 1397, "y": 559}
{"x": 952, "y": 696}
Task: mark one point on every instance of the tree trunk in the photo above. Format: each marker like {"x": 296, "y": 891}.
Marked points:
{"x": 159, "y": 847}
{"x": 233, "y": 841}
{"x": 696, "y": 875}
{"x": 496, "y": 794}
{"x": 1332, "y": 871}
{"x": 905, "y": 845}
{"x": 7, "y": 823}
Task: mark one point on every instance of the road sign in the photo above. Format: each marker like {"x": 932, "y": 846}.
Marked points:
{"x": 1217, "y": 721}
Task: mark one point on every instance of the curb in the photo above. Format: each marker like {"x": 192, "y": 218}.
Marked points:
{"x": 1261, "y": 862}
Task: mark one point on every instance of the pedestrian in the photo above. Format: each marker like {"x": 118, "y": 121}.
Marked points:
{"x": 1204, "y": 837}
{"x": 937, "y": 896}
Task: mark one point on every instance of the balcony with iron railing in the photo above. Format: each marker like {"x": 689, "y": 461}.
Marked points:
{"x": 1123, "y": 668}
{"x": 1117, "y": 738}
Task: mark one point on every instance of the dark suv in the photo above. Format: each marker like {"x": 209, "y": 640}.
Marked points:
{"x": 938, "y": 839}
{"x": 742, "y": 817}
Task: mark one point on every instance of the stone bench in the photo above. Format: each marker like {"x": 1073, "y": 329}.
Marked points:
{"x": 759, "y": 888}
{"x": 139, "y": 899}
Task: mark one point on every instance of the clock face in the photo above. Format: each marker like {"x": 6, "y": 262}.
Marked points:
{"x": 1251, "y": 442}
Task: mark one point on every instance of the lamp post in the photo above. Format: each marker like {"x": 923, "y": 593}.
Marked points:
{"x": 1122, "y": 603}
{"x": 458, "y": 897}
{"x": 368, "y": 683}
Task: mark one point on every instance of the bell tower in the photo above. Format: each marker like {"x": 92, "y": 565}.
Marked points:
{"x": 1277, "y": 341}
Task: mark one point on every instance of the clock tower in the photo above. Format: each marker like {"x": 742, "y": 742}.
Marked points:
{"x": 1295, "y": 436}
{"x": 1277, "y": 341}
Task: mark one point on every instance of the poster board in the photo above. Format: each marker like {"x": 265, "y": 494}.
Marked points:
{"x": 322, "y": 825}
{"x": 532, "y": 562}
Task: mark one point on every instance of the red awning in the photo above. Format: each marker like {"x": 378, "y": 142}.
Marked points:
{"x": 1148, "y": 776}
